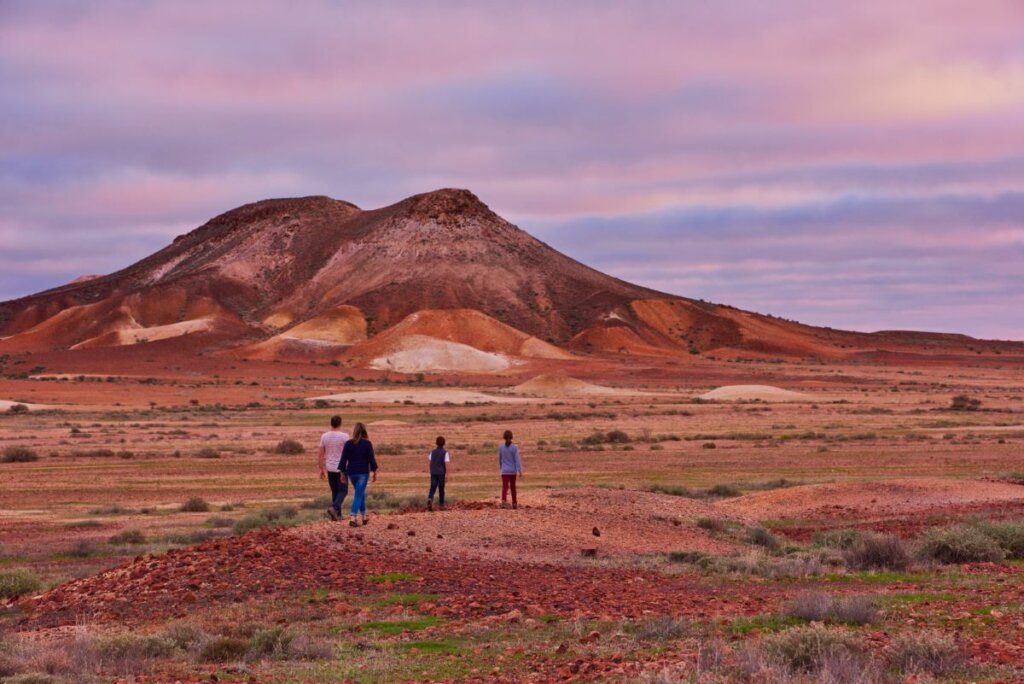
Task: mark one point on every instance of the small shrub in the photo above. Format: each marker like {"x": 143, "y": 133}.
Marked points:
{"x": 724, "y": 490}
{"x": 687, "y": 556}
{"x": 821, "y": 607}
{"x": 660, "y": 629}
{"x": 836, "y": 539}
{"x": 671, "y": 490}
{"x": 208, "y": 452}
{"x": 960, "y": 544}
{"x": 877, "y": 552}
{"x": 317, "y": 503}
{"x": 617, "y": 437}
{"x": 14, "y": 583}
{"x": 269, "y": 642}
{"x": 184, "y": 636}
{"x": 963, "y": 402}
{"x": 195, "y": 505}
{"x": 17, "y": 408}
{"x": 762, "y": 537}
{"x": 268, "y": 517}
{"x": 708, "y": 445}
{"x": 128, "y": 537}
{"x": 927, "y": 652}
{"x": 223, "y": 649}
{"x": 808, "y": 648}
{"x": 127, "y": 647}
{"x": 83, "y": 549}
{"x": 288, "y": 446}
{"x": 713, "y": 525}
{"x": 19, "y": 454}
{"x": 220, "y": 521}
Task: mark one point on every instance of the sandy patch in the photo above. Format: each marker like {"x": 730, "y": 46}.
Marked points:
{"x": 873, "y": 499}
{"x": 753, "y": 393}
{"x": 559, "y": 385}
{"x": 420, "y": 396}
{"x": 416, "y": 353}
{"x": 388, "y": 423}
{"x": 151, "y": 334}
{"x": 6, "y": 405}
{"x": 555, "y": 525}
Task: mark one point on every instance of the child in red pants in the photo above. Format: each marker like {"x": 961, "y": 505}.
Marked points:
{"x": 511, "y": 465}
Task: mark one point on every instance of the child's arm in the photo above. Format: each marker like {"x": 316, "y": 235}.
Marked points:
{"x": 323, "y": 461}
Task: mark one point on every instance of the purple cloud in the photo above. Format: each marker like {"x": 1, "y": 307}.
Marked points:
{"x": 860, "y": 167}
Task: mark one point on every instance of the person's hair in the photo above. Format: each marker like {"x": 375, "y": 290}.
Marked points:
{"x": 359, "y": 433}
{"x": 508, "y": 435}
{"x": 440, "y": 441}
{"x": 335, "y": 421}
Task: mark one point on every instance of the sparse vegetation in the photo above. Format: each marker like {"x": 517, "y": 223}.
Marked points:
{"x": 195, "y": 505}
{"x": 288, "y": 446}
{"x": 963, "y": 402}
{"x": 877, "y": 552}
{"x": 960, "y": 544}
{"x": 19, "y": 454}
{"x": 128, "y": 537}
{"x": 14, "y": 583}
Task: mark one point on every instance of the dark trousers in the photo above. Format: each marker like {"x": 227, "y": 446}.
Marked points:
{"x": 339, "y": 490}
{"x": 437, "y": 484}
{"x": 508, "y": 482}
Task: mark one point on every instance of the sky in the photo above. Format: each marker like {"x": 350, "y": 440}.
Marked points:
{"x": 855, "y": 165}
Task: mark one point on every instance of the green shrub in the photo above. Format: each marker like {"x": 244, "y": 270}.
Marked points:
{"x": 960, "y": 544}
{"x": 270, "y": 642}
{"x": 808, "y": 647}
{"x": 19, "y": 454}
{"x": 288, "y": 446}
{"x": 1009, "y": 536}
{"x": 223, "y": 649}
{"x": 195, "y": 505}
{"x": 836, "y": 539}
{"x": 926, "y": 652}
{"x": 14, "y": 583}
{"x": 128, "y": 537}
{"x": 762, "y": 537}
{"x": 877, "y": 552}
{"x": 184, "y": 636}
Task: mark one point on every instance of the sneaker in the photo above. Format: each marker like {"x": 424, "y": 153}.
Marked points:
{"x": 430, "y": 505}
{"x": 332, "y": 514}
{"x": 515, "y": 506}
{"x": 504, "y": 505}
{"x": 366, "y": 520}
{"x": 441, "y": 507}
{"x": 353, "y": 523}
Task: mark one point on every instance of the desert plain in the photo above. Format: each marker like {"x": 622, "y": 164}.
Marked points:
{"x": 680, "y": 519}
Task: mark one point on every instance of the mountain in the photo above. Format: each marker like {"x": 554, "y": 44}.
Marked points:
{"x": 436, "y": 281}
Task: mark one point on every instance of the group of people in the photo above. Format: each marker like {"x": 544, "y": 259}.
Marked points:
{"x": 346, "y": 460}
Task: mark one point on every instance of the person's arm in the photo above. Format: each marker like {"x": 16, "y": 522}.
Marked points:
{"x": 323, "y": 461}
{"x": 519, "y": 463}
{"x": 343, "y": 464}
{"x": 373, "y": 461}
{"x": 447, "y": 469}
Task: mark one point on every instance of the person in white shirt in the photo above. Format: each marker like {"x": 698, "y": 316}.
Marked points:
{"x": 439, "y": 460}
{"x": 331, "y": 444}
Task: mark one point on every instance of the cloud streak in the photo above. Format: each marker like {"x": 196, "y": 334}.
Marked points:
{"x": 856, "y": 166}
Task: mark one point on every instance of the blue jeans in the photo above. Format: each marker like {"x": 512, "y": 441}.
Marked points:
{"x": 436, "y": 485}
{"x": 358, "y": 482}
{"x": 339, "y": 490}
